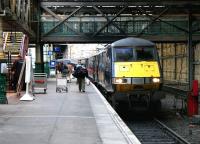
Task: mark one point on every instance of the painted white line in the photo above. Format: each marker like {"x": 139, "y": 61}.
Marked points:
{"x": 45, "y": 116}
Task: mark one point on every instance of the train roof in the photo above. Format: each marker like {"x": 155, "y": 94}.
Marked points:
{"x": 131, "y": 41}
{"x": 66, "y": 61}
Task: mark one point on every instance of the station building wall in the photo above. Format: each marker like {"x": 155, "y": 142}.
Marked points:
{"x": 173, "y": 60}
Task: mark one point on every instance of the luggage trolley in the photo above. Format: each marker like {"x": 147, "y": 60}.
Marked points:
{"x": 61, "y": 83}
{"x": 40, "y": 82}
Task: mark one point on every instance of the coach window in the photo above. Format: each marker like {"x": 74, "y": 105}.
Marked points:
{"x": 123, "y": 54}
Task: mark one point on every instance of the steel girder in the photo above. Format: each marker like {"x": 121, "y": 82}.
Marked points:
{"x": 63, "y": 20}
{"x": 153, "y": 11}
{"x": 117, "y": 2}
{"x": 62, "y": 8}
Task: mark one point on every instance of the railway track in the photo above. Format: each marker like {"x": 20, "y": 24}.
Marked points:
{"x": 148, "y": 129}
{"x": 152, "y": 131}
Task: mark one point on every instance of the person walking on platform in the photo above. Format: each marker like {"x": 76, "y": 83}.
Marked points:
{"x": 80, "y": 73}
{"x": 70, "y": 70}
{"x": 65, "y": 70}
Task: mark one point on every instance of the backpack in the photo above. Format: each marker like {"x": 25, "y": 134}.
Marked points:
{"x": 80, "y": 72}
{"x": 65, "y": 70}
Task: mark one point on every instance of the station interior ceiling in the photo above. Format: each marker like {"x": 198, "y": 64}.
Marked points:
{"x": 161, "y": 11}
{"x": 155, "y": 12}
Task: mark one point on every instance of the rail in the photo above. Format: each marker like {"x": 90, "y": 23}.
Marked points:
{"x": 152, "y": 131}
{"x": 172, "y": 133}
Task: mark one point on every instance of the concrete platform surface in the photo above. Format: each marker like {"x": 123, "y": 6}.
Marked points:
{"x": 63, "y": 118}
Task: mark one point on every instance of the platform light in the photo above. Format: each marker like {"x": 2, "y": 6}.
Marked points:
{"x": 108, "y": 6}
{"x": 159, "y": 6}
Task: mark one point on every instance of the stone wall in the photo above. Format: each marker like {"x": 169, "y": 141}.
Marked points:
{"x": 197, "y": 62}
{"x": 174, "y": 61}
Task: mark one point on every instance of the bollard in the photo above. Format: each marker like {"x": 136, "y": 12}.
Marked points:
{"x": 192, "y": 101}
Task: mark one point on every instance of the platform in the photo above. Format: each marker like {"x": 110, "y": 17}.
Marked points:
{"x": 63, "y": 118}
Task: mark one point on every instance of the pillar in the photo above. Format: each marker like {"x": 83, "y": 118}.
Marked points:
{"x": 13, "y": 5}
{"x": 1, "y": 37}
{"x": 190, "y": 52}
{"x": 39, "y": 64}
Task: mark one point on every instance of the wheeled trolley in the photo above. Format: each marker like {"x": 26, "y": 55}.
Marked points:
{"x": 39, "y": 82}
{"x": 61, "y": 83}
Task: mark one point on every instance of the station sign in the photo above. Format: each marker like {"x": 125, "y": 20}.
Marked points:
{"x": 52, "y": 64}
{"x": 50, "y": 53}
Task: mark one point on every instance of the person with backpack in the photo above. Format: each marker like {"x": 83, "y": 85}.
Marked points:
{"x": 65, "y": 70}
{"x": 80, "y": 73}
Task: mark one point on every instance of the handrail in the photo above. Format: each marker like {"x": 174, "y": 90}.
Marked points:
{"x": 5, "y": 40}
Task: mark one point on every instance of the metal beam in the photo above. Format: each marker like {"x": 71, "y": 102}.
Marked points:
{"x": 135, "y": 3}
{"x": 111, "y": 38}
{"x": 190, "y": 52}
{"x": 110, "y": 21}
{"x": 164, "y": 11}
{"x": 51, "y": 12}
{"x": 59, "y": 18}
{"x": 63, "y": 20}
{"x": 80, "y": 39}
{"x": 113, "y": 23}
{"x": 154, "y": 10}
{"x": 175, "y": 61}
{"x": 179, "y": 28}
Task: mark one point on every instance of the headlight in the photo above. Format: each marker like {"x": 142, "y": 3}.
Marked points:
{"x": 122, "y": 80}
{"x": 118, "y": 80}
{"x": 156, "y": 80}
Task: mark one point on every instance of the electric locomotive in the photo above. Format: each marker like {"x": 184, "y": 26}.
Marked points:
{"x": 129, "y": 71}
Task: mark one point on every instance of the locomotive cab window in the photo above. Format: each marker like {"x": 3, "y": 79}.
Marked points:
{"x": 123, "y": 54}
{"x": 147, "y": 53}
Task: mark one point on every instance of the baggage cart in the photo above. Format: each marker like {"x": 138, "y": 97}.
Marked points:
{"x": 39, "y": 82}
{"x": 61, "y": 83}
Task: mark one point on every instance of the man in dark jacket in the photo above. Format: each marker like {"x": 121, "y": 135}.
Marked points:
{"x": 80, "y": 73}
{"x": 16, "y": 70}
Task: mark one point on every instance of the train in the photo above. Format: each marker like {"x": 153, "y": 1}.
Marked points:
{"x": 128, "y": 71}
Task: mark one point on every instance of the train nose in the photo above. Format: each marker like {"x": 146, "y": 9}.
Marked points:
{"x": 124, "y": 68}
{"x": 149, "y": 68}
